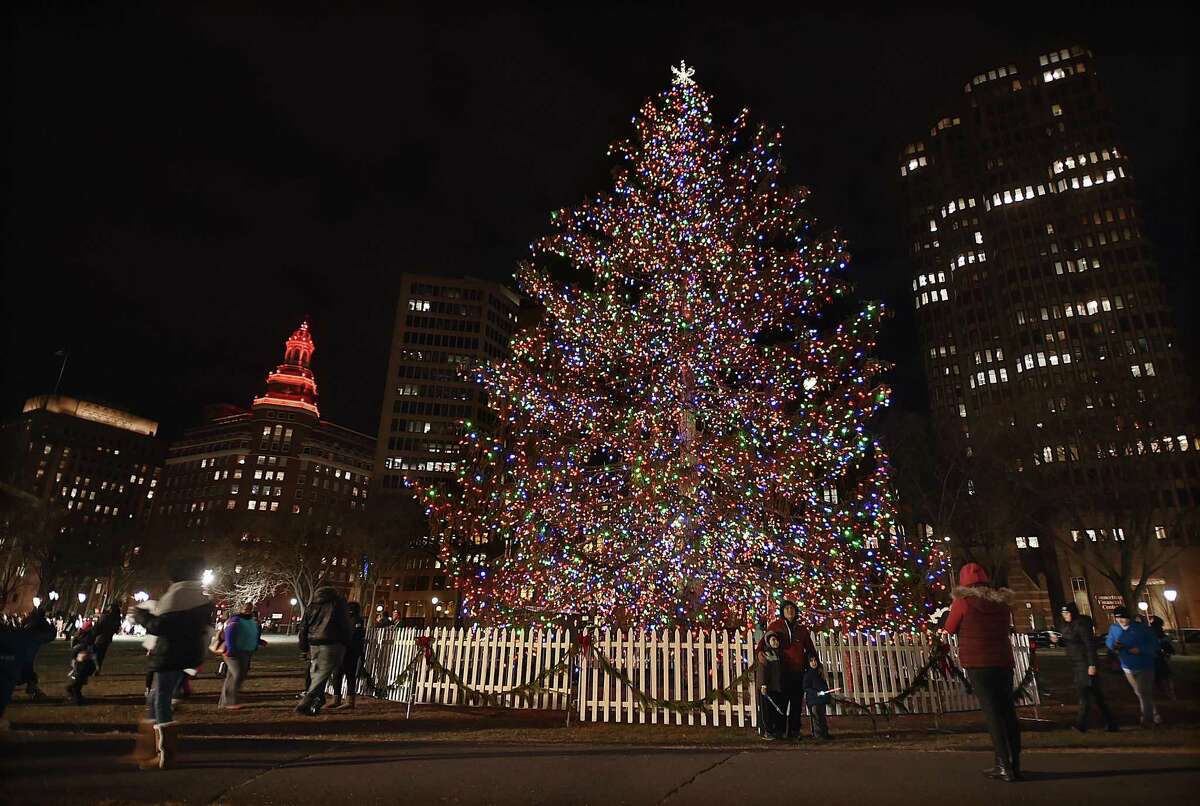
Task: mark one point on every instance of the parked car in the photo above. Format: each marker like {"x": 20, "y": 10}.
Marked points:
{"x": 1044, "y": 638}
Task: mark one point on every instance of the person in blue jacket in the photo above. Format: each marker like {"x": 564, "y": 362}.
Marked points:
{"x": 1137, "y": 648}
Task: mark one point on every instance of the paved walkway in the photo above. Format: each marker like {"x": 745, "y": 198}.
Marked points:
{"x": 46, "y": 770}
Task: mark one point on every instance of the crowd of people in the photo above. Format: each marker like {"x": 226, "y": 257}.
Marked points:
{"x": 181, "y": 633}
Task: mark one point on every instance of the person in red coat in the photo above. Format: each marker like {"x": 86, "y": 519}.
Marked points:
{"x": 981, "y": 618}
{"x": 795, "y": 648}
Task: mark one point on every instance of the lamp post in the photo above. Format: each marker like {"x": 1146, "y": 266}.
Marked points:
{"x": 37, "y": 602}
{"x": 292, "y": 615}
{"x": 1170, "y": 594}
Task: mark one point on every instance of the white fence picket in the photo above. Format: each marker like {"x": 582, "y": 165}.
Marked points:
{"x": 668, "y": 665}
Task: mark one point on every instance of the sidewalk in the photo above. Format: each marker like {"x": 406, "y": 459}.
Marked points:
{"x": 242, "y": 771}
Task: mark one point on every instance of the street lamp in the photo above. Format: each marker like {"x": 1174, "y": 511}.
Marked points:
{"x": 53, "y": 596}
{"x": 292, "y": 616}
{"x": 1170, "y": 594}
{"x": 82, "y": 598}
{"x": 37, "y": 602}
{"x": 1143, "y": 606}
{"x": 206, "y": 578}
{"x": 140, "y": 596}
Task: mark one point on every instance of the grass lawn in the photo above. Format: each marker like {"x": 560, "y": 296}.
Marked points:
{"x": 116, "y": 701}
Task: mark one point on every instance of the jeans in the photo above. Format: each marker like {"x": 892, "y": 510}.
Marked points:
{"x": 1142, "y": 683}
{"x": 324, "y": 661}
{"x": 158, "y": 700}
{"x": 994, "y": 689}
{"x": 1090, "y": 693}
{"x": 238, "y": 669}
{"x": 792, "y": 704}
{"x": 348, "y": 673}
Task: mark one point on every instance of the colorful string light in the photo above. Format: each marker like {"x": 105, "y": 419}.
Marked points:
{"x": 683, "y": 435}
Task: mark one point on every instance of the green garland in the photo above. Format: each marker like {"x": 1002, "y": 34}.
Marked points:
{"x": 525, "y": 692}
{"x": 727, "y": 694}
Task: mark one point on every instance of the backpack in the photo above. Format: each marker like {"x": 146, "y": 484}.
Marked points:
{"x": 245, "y": 637}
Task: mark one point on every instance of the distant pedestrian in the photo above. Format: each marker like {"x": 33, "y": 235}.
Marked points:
{"x": 1079, "y": 640}
{"x": 180, "y": 625}
{"x": 817, "y": 698}
{"x": 1162, "y": 659}
{"x": 981, "y": 618}
{"x": 105, "y": 629}
{"x": 795, "y": 648}
{"x": 324, "y": 634}
{"x": 348, "y": 672}
{"x": 1137, "y": 648}
{"x": 769, "y": 675}
{"x": 42, "y": 632}
{"x": 242, "y": 638}
{"x": 83, "y": 663}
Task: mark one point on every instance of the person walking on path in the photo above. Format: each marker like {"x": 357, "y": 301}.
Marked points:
{"x": 1136, "y": 647}
{"x": 104, "y": 630}
{"x": 43, "y": 632}
{"x": 83, "y": 663}
{"x": 769, "y": 675}
{"x": 796, "y": 647}
{"x": 243, "y": 635}
{"x": 1162, "y": 659}
{"x": 348, "y": 671}
{"x": 1079, "y": 640}
{"x": 324, "y": 634}
{"x": 981, "y": 618}
{"x": 179, "y": 625}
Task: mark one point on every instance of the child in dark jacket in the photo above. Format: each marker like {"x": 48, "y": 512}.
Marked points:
{"x": 769, "y": 675}
{"x": 83, "y": 663}
{"x": 816, "y": 696}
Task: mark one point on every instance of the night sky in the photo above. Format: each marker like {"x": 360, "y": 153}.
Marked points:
{"x": 181, "y": 190}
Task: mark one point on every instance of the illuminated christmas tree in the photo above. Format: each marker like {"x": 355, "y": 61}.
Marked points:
{"x": 685, "y": 434}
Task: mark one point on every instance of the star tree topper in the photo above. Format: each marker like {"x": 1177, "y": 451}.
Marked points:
{"x": 682, "y": 75}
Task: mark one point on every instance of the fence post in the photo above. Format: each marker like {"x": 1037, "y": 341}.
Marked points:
{"x": 412, "y": 681}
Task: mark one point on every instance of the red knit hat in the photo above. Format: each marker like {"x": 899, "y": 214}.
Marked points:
{"x": 972, "y": 574}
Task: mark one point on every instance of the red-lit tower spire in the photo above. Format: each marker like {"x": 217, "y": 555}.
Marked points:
{"x": 292, "y": 384}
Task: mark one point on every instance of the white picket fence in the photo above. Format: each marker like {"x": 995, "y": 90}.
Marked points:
{"x": 665, "y": 665}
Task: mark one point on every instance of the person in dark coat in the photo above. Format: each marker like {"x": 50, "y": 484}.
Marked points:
{"x": 43, "y": 632}
{"x": 347, "y": 673}
{"x": 817, "y": 698}
{"x": 1079, "y": 640}
{"x": 180, "y": 624}
{"x": 795, "y": 648}
{"x": 1162, "y": 660}
{"x": 83, "y": 662}
{"x": 325, "y": 632}
{"x": 105, "y": 629}
{"x": 981, "y": 618}
{"x": 770, "y": 675}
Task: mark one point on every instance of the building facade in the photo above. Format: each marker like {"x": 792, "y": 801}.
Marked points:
{"x": 444, "y": 326}
{"x": 97, "y": 468}
{"x": 253, "y": 469}
{"x": 1046, "y": 333}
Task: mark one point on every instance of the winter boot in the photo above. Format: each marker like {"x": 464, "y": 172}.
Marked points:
{"x": 145, "y": 745}
{"x": 166, "y": 738}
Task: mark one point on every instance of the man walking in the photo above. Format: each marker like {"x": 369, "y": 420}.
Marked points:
{"x": 1079, "y": 640}
{"x": 104, "y": 630}
{"x": 180, "y": 625}
{"x": 1136, "y": 647}
{"x": 325, "y": 631}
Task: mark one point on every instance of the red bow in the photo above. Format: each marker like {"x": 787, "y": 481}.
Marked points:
{"x": 423, "y": 643}
{"x": 585, "y": 643}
